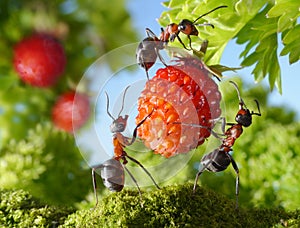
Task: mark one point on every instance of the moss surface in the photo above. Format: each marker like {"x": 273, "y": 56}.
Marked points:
{"x": 19, "y": 209}
{"x": 173, "y": 206}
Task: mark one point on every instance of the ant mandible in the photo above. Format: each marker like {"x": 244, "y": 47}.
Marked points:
{"x": 112, "y": 170}
{"x": 219, "y": 159}
{"x": 148, "y": 49}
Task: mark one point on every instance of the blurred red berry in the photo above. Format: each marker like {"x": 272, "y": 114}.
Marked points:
{"x": 39, "y": 60}
{"x": 183, "y": 93}
{"x": 69, "y": 115}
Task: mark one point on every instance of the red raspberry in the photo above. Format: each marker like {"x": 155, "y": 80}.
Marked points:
{"x": 69, "y": 115}
{"x": 183, "y": 93}
{"x": 39, "y": 60}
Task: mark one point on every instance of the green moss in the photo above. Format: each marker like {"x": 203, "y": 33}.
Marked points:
{"x": 19, "y": 209}
{"x": 175, "y": 206}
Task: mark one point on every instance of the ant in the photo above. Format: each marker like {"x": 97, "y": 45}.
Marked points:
{"x": 187, "y": 27}
{"x": 112, "y": 170}
{"x": 148, "y": 49}
{"x": 219, "y": 159}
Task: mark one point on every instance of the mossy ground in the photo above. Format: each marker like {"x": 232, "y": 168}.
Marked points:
{"x": 173, "y": 206}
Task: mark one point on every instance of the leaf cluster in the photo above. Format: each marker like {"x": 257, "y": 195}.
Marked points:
{"x": 20, "y": 209}
{"x": 87, "y": 30}
{"x": 46, "y": 163}
{"x": 255, "y": 24}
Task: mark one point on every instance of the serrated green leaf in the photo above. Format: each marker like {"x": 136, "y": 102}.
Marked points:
{"x": 174, "y": 3}
{"x": 292, "y": 35}
{"x": 287, "y": 11}
{"x": 251, "y": 59}
{"x": 283, "y": 7}
{"x": 274, "y": 71}
{"x": 254, "y": 23}
{"x": 293, "y": 50}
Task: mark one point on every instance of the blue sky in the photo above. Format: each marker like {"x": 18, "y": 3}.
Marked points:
{"x": 145, "y": 13}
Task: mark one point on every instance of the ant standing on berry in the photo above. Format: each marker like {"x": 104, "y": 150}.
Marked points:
{"x": 112, "y": 170}
{"x": 148, "y": 49}
{"x": 219, "y": 159}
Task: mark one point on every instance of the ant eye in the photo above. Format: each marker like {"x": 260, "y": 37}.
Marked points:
{"x": 117, "y": 127}
{"x": 181, "y": 27}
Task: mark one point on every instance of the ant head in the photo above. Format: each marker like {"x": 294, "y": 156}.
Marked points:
{"x": 119, "y": 124}
{"x": 187, "y": 27}
{"x": 244, "y": 117}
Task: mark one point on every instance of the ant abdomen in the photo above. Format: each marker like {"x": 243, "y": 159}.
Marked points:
{"x": 216, "y": 161}
{"x": 112, "y": 174}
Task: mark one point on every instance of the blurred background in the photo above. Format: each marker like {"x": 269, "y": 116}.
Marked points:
{"x": 38, "y": 157}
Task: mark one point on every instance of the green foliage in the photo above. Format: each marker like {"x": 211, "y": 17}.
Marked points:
{"x": 33, "y": 155}
{"x": 48, "y": 164}
{"x": 173, "y": 206}
{"x": 20, "y": 209}
{"x": 254, "y": 23}
{"x": 86, "y": 30}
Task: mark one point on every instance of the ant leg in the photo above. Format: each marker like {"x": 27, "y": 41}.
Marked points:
{"x": 197, "y": 177}
{"x": 134, "y": 180}
{"x": 137, "y": 126}
{"x": 237, "y": 181}
{"x": 144, "y": 66}
{"x": 150, "y": 33}
{"x": 95, "y": 183}
{"x": 160, "y": 58}
{"x": 177, "y": 36}
{"x": 190, "y": 42}
{"x": 147, "y": 74}
{"x": 205, "y": 164}
{"x": 146, "y": 171}
{"x": 215, "y": 134}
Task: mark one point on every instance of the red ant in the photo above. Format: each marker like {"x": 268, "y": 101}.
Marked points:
{"x": 185, "y": 26}
{"x": 219, "y": 159}
{"x": 148, "y": 49}
{"x": 112, "y": 170}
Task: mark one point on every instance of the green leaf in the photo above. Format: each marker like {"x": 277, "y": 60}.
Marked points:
{"x": 291, "y": 42}
{"x": 292, "y": 35}
{"x": 287, "y": 11}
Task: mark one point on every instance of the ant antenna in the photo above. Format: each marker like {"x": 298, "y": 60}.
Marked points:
{"x": 209, "y": 13}
{"x": 107, "y": 103}
{"x": 107, "y": 107}
{"x": 238, "y": 92}
{"x": 123, "y": 99}
{"x": 258, "y": 108}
